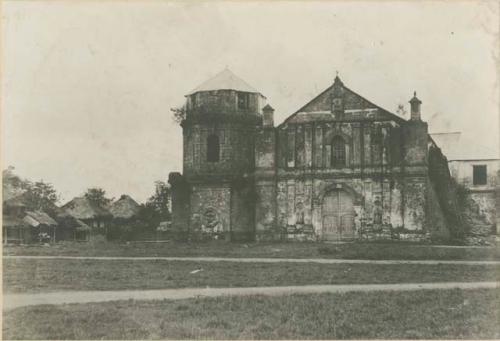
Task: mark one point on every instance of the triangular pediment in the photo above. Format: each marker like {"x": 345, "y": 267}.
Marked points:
{"x": 355, "y": 107}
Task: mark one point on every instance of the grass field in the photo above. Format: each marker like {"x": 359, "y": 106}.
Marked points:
{"x": 444, "y": 314}
{"x": 42, "y": 275}
{"x": 405, "y": 251}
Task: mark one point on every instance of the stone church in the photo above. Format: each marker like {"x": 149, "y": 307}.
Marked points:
{"x": 340, "y": 168}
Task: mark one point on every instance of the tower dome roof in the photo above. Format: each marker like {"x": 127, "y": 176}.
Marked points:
{"x": 224, "y": 80}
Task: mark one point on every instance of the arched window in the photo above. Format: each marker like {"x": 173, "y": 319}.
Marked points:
{"x": 338, "y": 152}
{"x": 213, "y": 148}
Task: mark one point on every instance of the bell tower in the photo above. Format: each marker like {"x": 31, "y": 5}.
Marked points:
{"x": 219, "y": 127}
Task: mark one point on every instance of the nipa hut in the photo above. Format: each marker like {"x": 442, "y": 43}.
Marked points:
{"x": 15, "y": 230}
{"x": 22, "y": 226}
{"x": 72, "y": 228}
{"x": 92, "y": 215}
{"x": 43, "y": 227}
{"x": 125, "y": 208}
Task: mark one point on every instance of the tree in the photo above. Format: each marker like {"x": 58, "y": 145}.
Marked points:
{"x": 41, "y": 196}
{"x": 157, "y": 206}
{"x": 97, "y": 196}
{"x": 178, "y": 114}
{"x": 160, "y": 200}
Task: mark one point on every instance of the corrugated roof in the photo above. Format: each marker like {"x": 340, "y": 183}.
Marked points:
{"x": 224, "y": 80}
{"x": 455, "y": 146}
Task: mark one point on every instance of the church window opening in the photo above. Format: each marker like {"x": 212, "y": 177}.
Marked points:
{"x": 213, "y": 148}
{"x": 243, "y": 100}
{"x": 338, "y": 158}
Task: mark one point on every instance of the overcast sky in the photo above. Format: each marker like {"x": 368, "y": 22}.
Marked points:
{"x": 87, "y": 87}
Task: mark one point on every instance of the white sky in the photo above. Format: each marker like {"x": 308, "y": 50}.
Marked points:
{"x": 88, "y": 86}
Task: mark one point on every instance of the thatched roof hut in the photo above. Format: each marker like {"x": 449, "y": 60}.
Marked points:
{"x": 124, "y": 208}
{"x": 12, "y": 221}
{"x": 81, "y": 226}
{"x": 37, "y": 218}
{"x": 81, "y": 208}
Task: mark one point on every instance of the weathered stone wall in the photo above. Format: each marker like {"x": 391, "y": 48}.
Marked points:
{"x": 282, "y": 183}
{"x": 236, "y": 149}
{"x": 308, "y": 145}
{"x": 265, "y": 185}
{"x": 385, "y": 173}
{"x": 220, "y": 191}
{"x": 243, "y": 211}
{"x": 223, "y": 102}
{"x": 415, "y": 142}
{"x": 446, "y": 192}
{"x": 414, "y": 201}
{"x": 480, "y": 209}
{"x": 380, "y": 210}
{"x": 180, "y": 191}
{"x": 210, "y": 210}
{"x": 265, "y": 210}
{"x": 435, "y": 220}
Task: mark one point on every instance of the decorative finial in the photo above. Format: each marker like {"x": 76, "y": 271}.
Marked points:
{"x": 337, "y": 73}
{"x": 414, "y": 94}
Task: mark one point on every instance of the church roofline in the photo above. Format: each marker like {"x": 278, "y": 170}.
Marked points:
{"x": 394, "y": 116}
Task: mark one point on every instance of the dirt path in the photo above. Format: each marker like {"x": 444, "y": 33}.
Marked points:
{"x": 268, "y": 260}
{"x": 12, "y": 301}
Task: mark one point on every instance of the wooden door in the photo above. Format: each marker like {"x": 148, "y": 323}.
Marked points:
{"x": 338, "y": 216}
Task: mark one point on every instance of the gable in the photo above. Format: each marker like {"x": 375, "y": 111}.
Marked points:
{"x": 356, "y": 107}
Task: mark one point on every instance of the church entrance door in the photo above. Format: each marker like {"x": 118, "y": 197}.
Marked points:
{"x": 338, "y": 216}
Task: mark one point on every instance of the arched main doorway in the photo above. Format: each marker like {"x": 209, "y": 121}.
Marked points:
{"x": 338, "y": 215}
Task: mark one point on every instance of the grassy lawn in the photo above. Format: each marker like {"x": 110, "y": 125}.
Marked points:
{"x": 42, "y": 275}
{"x": 407, "y": 251}
{"x": 444, "y": 314}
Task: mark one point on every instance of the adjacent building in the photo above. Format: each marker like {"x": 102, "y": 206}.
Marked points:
{"x": 476, "y": 168}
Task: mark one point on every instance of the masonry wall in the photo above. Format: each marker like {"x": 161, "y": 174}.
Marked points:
{"x": 210, "y": 209}
{"x": 236, "y": 149}
{"x": 265, "y": 185}
{"x": 243, "y": 211}
{"x": 481, "y": 210}
{"x": 384, "y": 209}
{"x": 308, "y": 145}
{"x": 389, "y": 200}
{"x": 223, "y": 102}
{"x": 180, "y": 205}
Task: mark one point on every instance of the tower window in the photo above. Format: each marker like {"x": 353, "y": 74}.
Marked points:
{"x": 213, "y": 148}
{"x": 338, "y": 152}
{"x": 193, "y": 100}
{"x": 479, "y": 175}
{"x": 243, "y": 100}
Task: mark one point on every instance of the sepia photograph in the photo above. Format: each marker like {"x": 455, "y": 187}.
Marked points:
{"x": 255, "y": 170}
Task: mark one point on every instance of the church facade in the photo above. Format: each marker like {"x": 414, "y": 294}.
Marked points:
{"x": 340, "y": 168}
